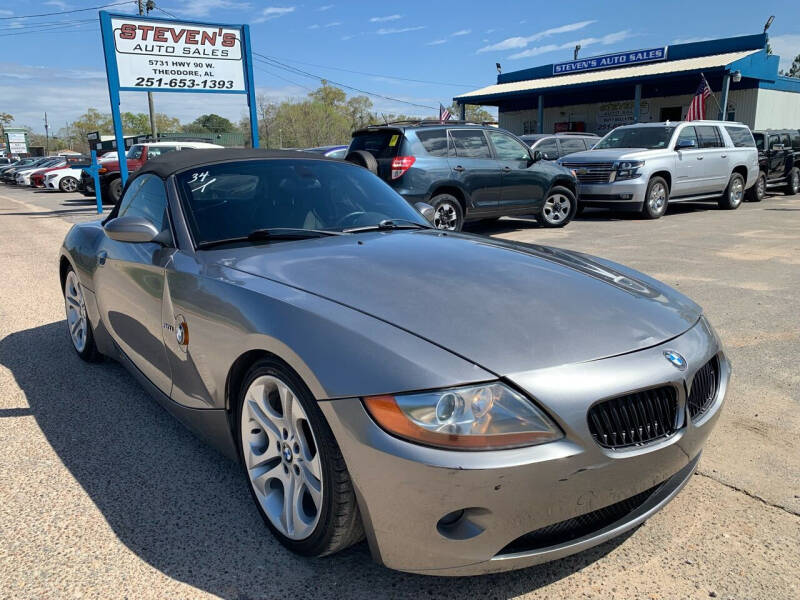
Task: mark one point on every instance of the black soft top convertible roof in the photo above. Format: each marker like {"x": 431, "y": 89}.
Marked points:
{"x": 173, "y": 162}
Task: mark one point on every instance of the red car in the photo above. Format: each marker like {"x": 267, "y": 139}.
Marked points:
{"x": 37, "y": 178}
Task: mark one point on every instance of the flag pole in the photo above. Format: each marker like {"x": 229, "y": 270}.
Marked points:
{"x": 712, "y": 92}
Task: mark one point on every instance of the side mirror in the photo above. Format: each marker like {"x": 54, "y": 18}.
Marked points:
{"x": 685, "y": 144}
{"x": 537, "y": 156}
{"x": 426, "y": 210}
{"x": 136, "y": 230}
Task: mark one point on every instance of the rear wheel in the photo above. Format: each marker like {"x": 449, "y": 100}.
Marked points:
{"x": 447, "y": 212}
{"x": 759, "y": 189}
{"x": 734, "y": 193}
{"x": 656, "y": 198}
{"x": 296, "y": 471}
{"x": 793, "y": 187}
{"x": 559, "y": 208}
{"x": 78, "y": 325}
{"x": 68, "y": 184}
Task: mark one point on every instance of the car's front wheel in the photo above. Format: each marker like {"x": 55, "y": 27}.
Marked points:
{"x": 114, "y": 191}
{"x": 656, "y": 198}
{"x": 559, "y": 208}
{"x": 78, "y": 325}
{"x": 447, "y": 212}
{"x": 734, "y": 193}
{"x": 759, "y": 189}
{"x": 296, "y": 471}
{"x": 793, "y": 187}
{"x": 68, "y": 184}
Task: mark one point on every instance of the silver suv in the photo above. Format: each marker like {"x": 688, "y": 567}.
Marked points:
{"x": 645, "y": 166}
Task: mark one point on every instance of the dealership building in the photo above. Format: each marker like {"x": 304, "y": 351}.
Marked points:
{"x": 596, "y": 94}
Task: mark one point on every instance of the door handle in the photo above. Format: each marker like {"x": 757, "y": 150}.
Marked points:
{"x": 506, "y": 169}
{"x": 699, "y": 158}
{"x": 101, "y": 257}
{"x": 458, "y": 168}
{"x": 724, "y": 155}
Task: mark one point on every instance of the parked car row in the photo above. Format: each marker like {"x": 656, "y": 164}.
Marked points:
{"x": 34, "y": 172}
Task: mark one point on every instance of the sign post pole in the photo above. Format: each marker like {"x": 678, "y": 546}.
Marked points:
{"x": 94, "y": 170}
{"x": 113, "y": 90}
{"x": 251, "y": 88}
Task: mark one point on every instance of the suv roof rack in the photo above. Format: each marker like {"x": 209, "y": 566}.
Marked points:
{"x": 432, "y": 123}
{"x": 581, "y": 133}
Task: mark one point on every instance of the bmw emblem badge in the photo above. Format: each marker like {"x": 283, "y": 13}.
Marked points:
{"x": 676, "y": 359}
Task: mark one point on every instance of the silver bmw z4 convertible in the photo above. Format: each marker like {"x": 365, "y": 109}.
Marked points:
{"x": 466, "y": 404}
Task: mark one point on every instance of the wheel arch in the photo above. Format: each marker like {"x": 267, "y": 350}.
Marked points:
{"x": 455, "y": 191}
{"x": 741, "y": 170}
{"x": 566, "y": 182}
{"x": 665, "y": 175}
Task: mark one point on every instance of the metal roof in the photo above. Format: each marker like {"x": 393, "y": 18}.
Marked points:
{"x": 609, "y": 75}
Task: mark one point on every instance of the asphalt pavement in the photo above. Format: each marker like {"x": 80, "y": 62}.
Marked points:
{"x": 104, "y": 495}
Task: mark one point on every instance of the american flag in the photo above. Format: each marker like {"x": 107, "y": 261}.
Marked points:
{"x": 444, "y": 114}
{"x": 697, "y": 107}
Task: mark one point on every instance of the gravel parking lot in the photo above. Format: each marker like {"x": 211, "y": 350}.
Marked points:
{"x": 102, "y": 494}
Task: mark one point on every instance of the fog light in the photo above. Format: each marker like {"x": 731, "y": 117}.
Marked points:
{"x": 626, "y": 196}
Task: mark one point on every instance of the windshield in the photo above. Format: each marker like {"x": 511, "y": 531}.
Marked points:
{"x": 231, "y": 200}
{"x": 648, "y": 138}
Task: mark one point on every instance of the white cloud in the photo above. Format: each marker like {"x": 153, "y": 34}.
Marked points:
{"x": 59, "y": 4}
{"x": 384, "y": 31}
{"x": 333, "y": 24}
{"x": 606, "y": 40}
{"x": 6, "y": 13}
{"x": 203, "y": 8}
{"x": 461, "y": 32}
{"x": 436, "y": 42}
{"x": 326, "y": 7}
{"x": 513, "y": 43}
{"x": 314, "y": 26}
{"x": 274, "y": 12}
{"x": 385, "y": 19}
{"x": 787, "y": 47}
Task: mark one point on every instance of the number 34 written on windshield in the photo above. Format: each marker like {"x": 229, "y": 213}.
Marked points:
{"x": 210, "y": 84}
{"x": 201, "y": 177}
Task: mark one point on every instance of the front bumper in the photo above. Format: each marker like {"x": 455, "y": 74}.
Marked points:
{"x": 404, "y": 489}
{"x": 619, "y": 194}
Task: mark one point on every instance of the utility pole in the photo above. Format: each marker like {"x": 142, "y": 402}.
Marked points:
{"x": 46, "y": 136}
{"x": 153, "y": 128}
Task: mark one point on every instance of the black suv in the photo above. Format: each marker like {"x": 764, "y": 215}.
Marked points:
{"x": 555, "y": 145}
{"x": 778, "y": 162}
{"x": 466, "y": 171}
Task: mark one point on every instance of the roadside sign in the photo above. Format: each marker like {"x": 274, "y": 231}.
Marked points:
{"x": 145, "y": 54}
{"x": 17, "y": 141}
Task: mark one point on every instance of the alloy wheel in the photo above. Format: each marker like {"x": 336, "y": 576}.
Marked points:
{"x": 795, "y": 183}
{"x": 69, "y": 184}
{"x": 761, "y": 187}
{"x": 76, "y": 311}
{"x": 445, "y": 217}
{"x": 556, "y": 208}
{"x": 658, "y": 198}
{"x": 737, "y": 192}
{"x": 281, "y": 456}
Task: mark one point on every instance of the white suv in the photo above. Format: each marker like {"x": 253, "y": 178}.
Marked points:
{"x": 645, "y": 166}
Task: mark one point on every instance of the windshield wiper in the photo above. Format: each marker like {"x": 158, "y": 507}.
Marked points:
{"x": 269, "y": 234}
{"x": 389, "y": 224}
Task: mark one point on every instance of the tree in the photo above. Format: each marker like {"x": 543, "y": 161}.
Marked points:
{"x": 329, "y": 95}
{"x": 474, "y": 113}
{"x": 794, "y": 68}
{"x": 135, "y": 123}
{"x": 211, "y": 122}
{"x": 5, "y": 120}
{"x": 359, "y": 110}
{"x": 165, "y": 123}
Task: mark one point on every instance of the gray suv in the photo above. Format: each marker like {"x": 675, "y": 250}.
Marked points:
{"x": 466, "y": 171}
{"x": 556, "y": 145}
{"x": 645, "y": 166}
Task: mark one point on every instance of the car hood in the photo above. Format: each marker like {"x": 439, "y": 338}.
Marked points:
{"x": 507, "y": 307}
{"x": 612, "y": 154}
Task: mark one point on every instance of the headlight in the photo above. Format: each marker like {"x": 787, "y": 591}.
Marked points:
{"x": 628, "y": 169}
{"x": 480, "y": 417}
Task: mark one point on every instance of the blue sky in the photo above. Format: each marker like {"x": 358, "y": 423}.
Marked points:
{"x": 55, "y": 63}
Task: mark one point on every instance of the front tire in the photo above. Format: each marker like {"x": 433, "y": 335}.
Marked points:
{"x": 78, "y": 325}
{"x": 759, "y": 189}
{"x": 447, "y": 212}
{"x": 294, "y": 467}
{"x": 559, "y": 208}
{"x": 793, "y": 187}
{"x": 734, "y": 193}
{"x": 68, "y": 184}
{"x": 656, "y": 198}
{"x": 114, "y": 191}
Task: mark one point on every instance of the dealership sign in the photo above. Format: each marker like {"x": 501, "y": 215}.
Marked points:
{"x": 17, "y": 142}
{"x": 144, "y": 54}
{"x": 172, "y": 56}
{"x": 609, "y": 61}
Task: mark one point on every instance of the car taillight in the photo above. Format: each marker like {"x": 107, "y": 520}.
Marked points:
{"x": 400, "y": 165}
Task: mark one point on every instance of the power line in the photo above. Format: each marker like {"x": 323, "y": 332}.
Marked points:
{"x": 169, "y": 14}
{"x": 299, "y": 62}
{"x": 65, "y": 12}
{"x": 53, "y": 29}
{"x": 287, "y": 80}
{"x": 47, "y": 24}
{"x": 291, "y": 69}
